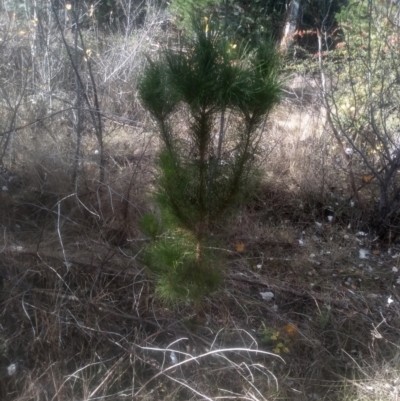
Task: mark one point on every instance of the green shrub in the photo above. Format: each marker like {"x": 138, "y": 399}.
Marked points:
{"x": 206, "y": 166}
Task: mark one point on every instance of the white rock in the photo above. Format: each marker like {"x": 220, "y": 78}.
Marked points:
{"x": 315, "y": 238}
{"x": 12, "y": 369}
{"x": 173, "y": 357}
{"x": 395, "y": 269}
{"x": 267, "y": 296}
{"x": 363, "y": 253}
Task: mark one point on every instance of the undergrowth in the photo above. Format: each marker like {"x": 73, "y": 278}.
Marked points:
{"x": 329, "y": 329}
{"x": 308, "y": 306}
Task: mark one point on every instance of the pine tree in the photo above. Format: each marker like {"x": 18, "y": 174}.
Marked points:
{"x": 203, "y": 174}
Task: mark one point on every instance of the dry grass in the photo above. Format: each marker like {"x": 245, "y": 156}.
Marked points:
{"x": 79, "y": 319}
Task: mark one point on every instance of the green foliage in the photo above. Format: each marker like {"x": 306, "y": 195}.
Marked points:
{"x": 277, "y": 340}
{"x": 182, "y": 276}
{"x": 172, "y": 256}
{"x": 249, "y": 19}
{"x": 151, "y": 226}
{"x": 206, "y": 165}
{"x": 243, "y": 19}
{"x": 184, "y": 9}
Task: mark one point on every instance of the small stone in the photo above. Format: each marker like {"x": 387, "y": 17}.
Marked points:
{"x": 267, "y": 296}
{"x": 11, "y": 369}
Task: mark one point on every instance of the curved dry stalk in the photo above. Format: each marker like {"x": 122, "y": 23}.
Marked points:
{"x": 195, "y": 358}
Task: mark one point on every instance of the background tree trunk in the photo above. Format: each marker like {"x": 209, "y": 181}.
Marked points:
{"x": 290, "y": 24}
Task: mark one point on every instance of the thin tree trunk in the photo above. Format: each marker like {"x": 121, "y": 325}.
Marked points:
{"x": 78, "y": 123}
{"x": 290, "y": 24}
{"x": 94, "y": 114}
{"x": 97, "y": 121}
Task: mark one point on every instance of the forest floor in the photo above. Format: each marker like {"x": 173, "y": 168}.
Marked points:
{"x": 309, "y": 308}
